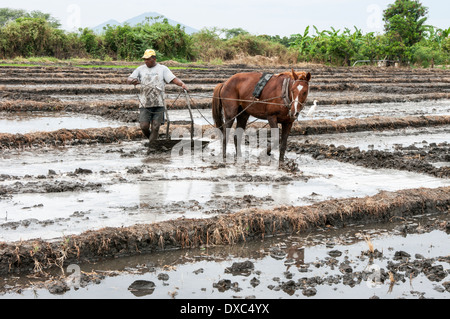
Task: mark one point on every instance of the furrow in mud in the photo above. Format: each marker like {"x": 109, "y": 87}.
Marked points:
{"x": 37, "y": 255}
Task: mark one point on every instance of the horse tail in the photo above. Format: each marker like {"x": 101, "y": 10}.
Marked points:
{"x": 217, "y": 106}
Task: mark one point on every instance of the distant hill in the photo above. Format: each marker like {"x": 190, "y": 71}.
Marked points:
{"x": 99, "y": 29}
{"x": 141, "y": 19}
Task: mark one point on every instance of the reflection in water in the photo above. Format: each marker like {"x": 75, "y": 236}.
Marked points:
{"x": 295, "y": 256}
{"x": 141, "y": 288}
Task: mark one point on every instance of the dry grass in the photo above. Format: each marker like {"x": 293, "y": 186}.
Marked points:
{"x": 369, "y": 243}
{"x": 391, "y": 282}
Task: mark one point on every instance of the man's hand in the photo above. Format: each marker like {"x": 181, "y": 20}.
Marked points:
{"x": 133, "y": 81}
{"x": 178, "y": 82}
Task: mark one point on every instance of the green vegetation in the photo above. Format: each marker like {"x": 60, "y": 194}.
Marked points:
{"x": 19, "y": 64}
{"x": 7, "y": 15}
{"x": 406, "y": 39}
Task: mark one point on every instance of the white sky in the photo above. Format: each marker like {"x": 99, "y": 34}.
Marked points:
{"x": 273, "y": 17}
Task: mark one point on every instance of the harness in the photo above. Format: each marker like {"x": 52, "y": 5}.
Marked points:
{"x": 259, "y": 87}
{"x": 261, "y": 84}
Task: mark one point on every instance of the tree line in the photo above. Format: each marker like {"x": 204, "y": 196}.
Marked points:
{"x": 406, "y": 39}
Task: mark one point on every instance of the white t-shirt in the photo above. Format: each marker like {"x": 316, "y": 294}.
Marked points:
{"x": 153, "y": 83}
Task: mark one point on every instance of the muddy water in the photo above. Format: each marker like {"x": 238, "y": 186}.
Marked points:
{"x": 324, "y": 263}
{"x": 58, "y": 192}
{"x": 28, "y": 122}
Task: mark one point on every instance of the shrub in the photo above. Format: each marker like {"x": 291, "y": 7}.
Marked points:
{"x": 426, "y": 56}
{"x": 129, "y": 43}
{"x": 207, "y": 46}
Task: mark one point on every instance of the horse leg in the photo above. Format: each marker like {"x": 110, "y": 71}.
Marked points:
{"x": 273, "y": 125}
{"x": 225, "y": 130}
{"x": 241, "y": 124}
{"x": 286, "y": 128}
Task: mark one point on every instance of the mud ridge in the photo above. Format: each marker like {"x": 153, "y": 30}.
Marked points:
{"x": 418, "y": 161}
{"x": 38, "y": 255}
{"x": 48, "y": 187}
{"x": 70, "y": 137}
{"x": 366, "y": 124}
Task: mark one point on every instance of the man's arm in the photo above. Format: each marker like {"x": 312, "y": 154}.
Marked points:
{"x": 178, "y": 82}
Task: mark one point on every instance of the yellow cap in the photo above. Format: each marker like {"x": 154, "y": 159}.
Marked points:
{"x": 149, "y": 53}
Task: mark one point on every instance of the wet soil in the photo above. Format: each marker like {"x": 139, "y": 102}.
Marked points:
{"x": 46, "y": 174}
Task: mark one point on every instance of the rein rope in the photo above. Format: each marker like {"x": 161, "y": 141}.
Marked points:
{"x": 288, "y": 101}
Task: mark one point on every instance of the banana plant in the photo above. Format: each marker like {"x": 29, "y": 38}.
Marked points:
{"x": 301, "y": 41}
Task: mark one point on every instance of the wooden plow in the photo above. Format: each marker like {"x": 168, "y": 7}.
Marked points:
{"x": 168, "y": 143}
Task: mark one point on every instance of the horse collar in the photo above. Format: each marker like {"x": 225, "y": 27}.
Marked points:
{"x": 285, "y": 92}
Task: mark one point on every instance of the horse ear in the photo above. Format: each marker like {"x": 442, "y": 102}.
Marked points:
{"x": 308, "y": 76}
{"x": 294, "y": 75}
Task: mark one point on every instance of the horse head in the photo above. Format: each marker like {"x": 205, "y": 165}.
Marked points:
{"x": 299, "y": 91}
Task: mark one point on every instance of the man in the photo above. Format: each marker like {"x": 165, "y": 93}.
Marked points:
{"x": 153, "y": 78}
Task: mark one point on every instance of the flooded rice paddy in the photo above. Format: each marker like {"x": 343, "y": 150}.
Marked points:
{"x": 64, "y": 190}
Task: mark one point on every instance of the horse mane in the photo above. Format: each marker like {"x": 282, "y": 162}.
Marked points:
{"x": 301, "y": 75}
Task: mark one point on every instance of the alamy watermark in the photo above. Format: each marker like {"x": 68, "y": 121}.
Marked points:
{"x": 374, "y": 277}
{"x": 374, "y": 20}
{"x": 73, "y": 20}
{"x": 73, "y": 280}
{"x": 254, "y": 145}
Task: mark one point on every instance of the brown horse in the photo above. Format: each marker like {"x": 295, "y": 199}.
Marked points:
{"x": 280, "y": 102}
